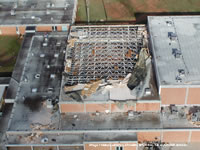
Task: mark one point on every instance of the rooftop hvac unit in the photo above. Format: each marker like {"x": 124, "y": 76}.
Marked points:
{"x": 172, "y": 36}
{"x": 177, "y": 53}
{"x": 181, "y": 72}
{"x": 169, "y": 23}
{"x": 178, "y": 79}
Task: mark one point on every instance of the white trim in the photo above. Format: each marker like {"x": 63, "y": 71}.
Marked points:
{"x": 186, "y": 95}
{"x": 190, "y": 135}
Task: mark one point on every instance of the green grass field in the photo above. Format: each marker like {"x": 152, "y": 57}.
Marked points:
{"x": 96, "y": 13}
{"x": 118, "y": 10}
{"x": 9, "y": 48}
{"x": 81, "y": 11}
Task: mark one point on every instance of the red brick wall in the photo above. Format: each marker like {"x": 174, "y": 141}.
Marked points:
{"x": 8, "y": 30}
{"x": 193, "y": 96}
{"x": 97, "y": 107}
{"x": 127, "y": 146}
{"x": 59, "y": 28}
{"x": 22, "y": 29}
{"x": 148, "y": 107}
{"x": 148, "y": 136}
{"x": 44, "y": 28}
{"x": 99, "y": 146}
{"x": 195, "y": 137}
{"x": 173, "y": 95}
{"x": 71, "y": 108}
{"x": 175, "y": 136}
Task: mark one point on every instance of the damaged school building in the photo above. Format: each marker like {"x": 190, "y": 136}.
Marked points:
{"x": 107, "y": 87}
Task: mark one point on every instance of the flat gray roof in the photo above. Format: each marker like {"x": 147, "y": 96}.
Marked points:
{"x": 176, "y": 49}
{"x": 28, "y": 12}
{"x": 40, "y": 79}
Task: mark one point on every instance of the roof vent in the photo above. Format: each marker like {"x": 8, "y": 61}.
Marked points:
{"x": 172, "y": 36}
{"x": 169, "y": 23}
{"x": 12, "y": 12}
{"x": 48, "y": 12}
{"x": 177, "y": 53}
{"x": 178, "y": 79}
{"x": 37, "y": 76}
{"x": 181, "y": 72}
{"x": 32, "y": 17}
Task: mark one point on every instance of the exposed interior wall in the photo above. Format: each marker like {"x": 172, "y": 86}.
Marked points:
{"x": 148, "y": 136}
{"x": 44, "y": 28}
{"x": 8, "y": 31}
{"x": 173, "y": 96}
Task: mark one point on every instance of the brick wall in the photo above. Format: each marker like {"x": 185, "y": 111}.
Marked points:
{"x": 148, "y": 107}
{"x": 97, "y": 107}
{"x": 148, "y": 136}
{"x": 44, "y": 28}
{"x": 173, "y": 96}
{"x": 195, "y": 136}
{"x": 110, "y": 107}
{"x": 193, "y": 96}
{"x": 8, "y": 31}
{"x": 110, "y": 146}
{"x": 71, "y": 108}
{"x": 22, "y": 29}
{"x": 175, "y": 136}
{"x": 59, "y": 28}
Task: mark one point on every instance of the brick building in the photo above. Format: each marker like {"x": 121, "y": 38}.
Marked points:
{"x": 43, "y": 16}
{"x": 88, "y": 78}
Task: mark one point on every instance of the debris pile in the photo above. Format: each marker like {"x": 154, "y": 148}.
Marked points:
{"x": 194, "y": 115}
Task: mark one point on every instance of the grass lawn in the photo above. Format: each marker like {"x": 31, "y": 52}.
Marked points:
{"x": 116, "y": 10}
{"x": 96, "y": 10}
{"x": 9, "y": 48}
{"x": 81, "y": 11}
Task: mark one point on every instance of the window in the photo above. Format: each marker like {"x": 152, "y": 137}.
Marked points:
{"x": 119, "y": 148}
{"x": 54, "y": 28}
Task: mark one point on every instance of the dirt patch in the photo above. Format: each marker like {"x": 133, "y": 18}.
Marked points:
{"x": 34, "y": 103}
{"x": 146, "y": 6}
{"x": 117, "y": 11}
